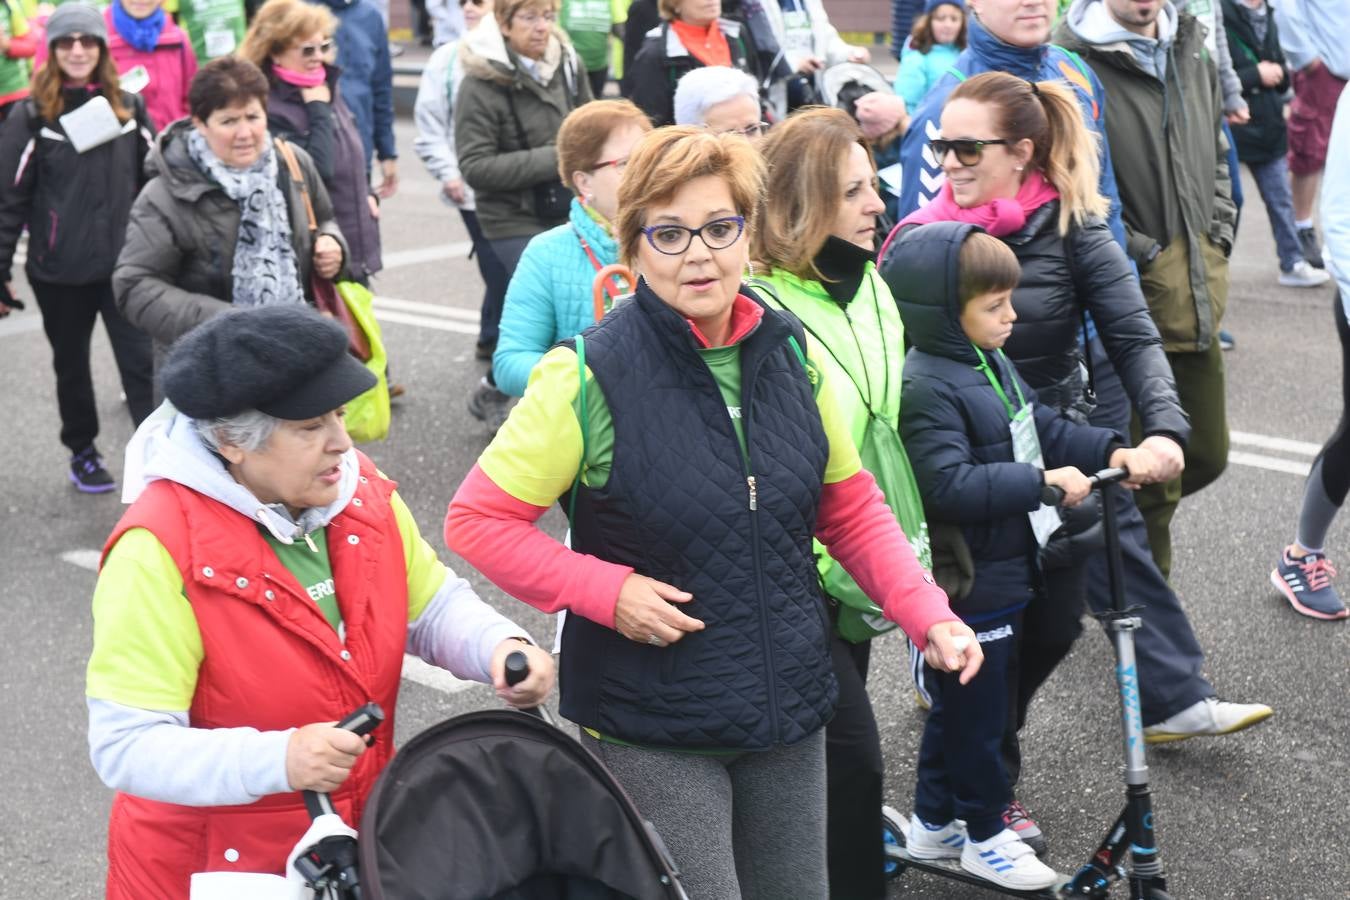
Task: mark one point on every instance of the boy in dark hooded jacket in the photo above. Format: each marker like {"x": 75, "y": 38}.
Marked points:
{"x": 982, "y": 450}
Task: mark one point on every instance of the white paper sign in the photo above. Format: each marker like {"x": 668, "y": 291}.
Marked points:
{"x": 92, "y": 124}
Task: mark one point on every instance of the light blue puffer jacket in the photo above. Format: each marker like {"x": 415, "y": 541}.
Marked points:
{"x": 549, "y": 297}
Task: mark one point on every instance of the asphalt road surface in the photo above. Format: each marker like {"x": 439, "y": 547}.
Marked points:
{"x": 1257, "y": 816}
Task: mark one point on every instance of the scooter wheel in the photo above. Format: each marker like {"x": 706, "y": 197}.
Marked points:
{"x": 892, "y": 835}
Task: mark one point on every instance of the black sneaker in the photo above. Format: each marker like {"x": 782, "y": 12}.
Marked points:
{"x": 490, "y": 406}
{"x": 88, "y": 474}
{"x": 1312, "y": 247}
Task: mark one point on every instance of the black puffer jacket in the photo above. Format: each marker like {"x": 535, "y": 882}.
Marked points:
{"x": 1062, "y": 276}
{"x": 663, "y": 60}
{"x": 955, "y": 427}
{"x": 1265, "y": 137}
{"x": 75, "y": 205}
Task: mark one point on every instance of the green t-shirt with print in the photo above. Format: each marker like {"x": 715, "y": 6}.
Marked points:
{"x": 307, "y": 560}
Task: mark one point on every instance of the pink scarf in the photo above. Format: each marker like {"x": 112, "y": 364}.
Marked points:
{"x": 1000, "y": 217}
{"x": 312, "y": 78}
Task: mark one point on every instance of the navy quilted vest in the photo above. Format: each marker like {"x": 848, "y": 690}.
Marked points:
{"x": 676, "y": 508}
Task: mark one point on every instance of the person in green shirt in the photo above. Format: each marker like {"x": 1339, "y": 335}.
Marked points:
{"x": 814, "y": 253}
{"x": 588, "y": 23}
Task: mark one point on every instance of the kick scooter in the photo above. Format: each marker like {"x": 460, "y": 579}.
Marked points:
{"x": 1132, "y": 835}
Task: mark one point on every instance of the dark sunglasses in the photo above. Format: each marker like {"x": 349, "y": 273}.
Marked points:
{"x": 968, "y": 152}
{"x": 308, "y": 50}
{"x": 67, "y": 41}
{"x": 474, "y": 2}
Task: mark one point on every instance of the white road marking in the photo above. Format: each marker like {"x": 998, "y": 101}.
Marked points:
{"x": 431, "y": 309}
{"x": 85, "y": 559}
{"x": 1272, "y": 463}
{"x": 427, "y": 322}
{"x": 401, "y": 258}
{"x": 1274, "y": 443}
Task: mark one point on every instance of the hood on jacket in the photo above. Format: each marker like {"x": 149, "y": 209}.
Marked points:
{"x": 923, "y": 271}
{"x": 1093, "y": 22}
{"x": 998, "y": 56}
{"x": 485, "y": 55}
{"x": 168, "y": 159}
{"x": 166, "y": 446}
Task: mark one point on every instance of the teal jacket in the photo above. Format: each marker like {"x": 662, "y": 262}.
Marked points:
{"x": 549, "y": 298}
{"x": 920, "y": 71}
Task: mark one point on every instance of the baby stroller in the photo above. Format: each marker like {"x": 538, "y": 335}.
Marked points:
{"x": 498, "y": 805}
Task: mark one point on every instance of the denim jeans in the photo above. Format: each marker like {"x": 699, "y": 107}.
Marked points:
{"x": 1272, "y": 180}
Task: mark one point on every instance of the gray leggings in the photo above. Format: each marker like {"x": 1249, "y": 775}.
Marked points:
{"x": 746, "y": 825}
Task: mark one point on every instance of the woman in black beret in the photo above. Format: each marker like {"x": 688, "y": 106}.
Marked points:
{"x": 266, "y": 581}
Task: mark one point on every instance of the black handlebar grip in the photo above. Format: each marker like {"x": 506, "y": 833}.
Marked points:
{"x": 1052, "y": 495}
{"x": 364, "y": 719}
{"x": 517, "y": 668}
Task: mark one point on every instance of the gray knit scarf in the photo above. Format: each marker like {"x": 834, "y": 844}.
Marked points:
{"x": 264, "y": 270}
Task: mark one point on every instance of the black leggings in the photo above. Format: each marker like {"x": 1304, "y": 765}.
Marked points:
{"x": 1331, "y": 470}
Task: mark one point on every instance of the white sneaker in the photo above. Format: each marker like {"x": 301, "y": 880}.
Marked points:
{"x": 1210, "y": 716}
{"x": 1007, "y": 862}
{"x": 927, "y": 842}
{"x": 1304, "y": 275}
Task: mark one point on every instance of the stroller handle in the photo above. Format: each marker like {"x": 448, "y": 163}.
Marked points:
{"x": 517, "y": 668}
{"x": 1054, "y": 496}
{"x": 362, "y": 720}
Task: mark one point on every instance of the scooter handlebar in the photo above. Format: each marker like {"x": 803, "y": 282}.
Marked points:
{"x": 517, "y": 668}
{"x": 1054, "y": 496}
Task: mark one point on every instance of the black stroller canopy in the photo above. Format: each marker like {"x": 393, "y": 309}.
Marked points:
{"x": 497, "y": 805}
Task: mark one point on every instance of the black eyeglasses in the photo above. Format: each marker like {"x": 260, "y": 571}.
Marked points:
{"x": 67, "y": 41}
{"x": 968, "y": 152}
{"x": 672, "y": 240}
{"x": 308, "y": 50}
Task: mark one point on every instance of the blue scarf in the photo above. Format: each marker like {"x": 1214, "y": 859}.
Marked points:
{"x": 143, "y": 34}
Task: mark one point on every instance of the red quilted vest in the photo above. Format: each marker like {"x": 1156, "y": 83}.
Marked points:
{"x": 271, "y": 662}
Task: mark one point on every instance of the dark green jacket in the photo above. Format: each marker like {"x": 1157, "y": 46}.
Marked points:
{"x": 502, "y": 168}
{"x": 1170, "y": 161}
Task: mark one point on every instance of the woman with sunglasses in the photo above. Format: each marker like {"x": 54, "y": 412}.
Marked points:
{"x": 814, "y": 253}
{"x": 552, "y": 294}
{"x": 696, "y": 442}
{"x": 292, "y": 43}
{"x": 72, "y": 186}
{"x": 1021, "y": 164}
{"x": 521, "y": 79}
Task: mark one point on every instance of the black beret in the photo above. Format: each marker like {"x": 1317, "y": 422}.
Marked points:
{"x": 286, "y": 361}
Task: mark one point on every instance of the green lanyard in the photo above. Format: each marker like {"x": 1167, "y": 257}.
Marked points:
{"x": 998, "y": 388}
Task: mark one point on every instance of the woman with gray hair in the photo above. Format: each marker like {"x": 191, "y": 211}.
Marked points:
{"x": 266, "y": 581}
{"x": 721, "y": 99}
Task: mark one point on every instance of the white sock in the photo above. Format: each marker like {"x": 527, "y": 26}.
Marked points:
{"x": 1301, "y": 224}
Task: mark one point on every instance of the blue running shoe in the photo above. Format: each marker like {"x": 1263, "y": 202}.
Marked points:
{"x": 1306, "y": 584}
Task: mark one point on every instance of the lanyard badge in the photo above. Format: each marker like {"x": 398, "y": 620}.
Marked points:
{"x": 1026, "y": 444}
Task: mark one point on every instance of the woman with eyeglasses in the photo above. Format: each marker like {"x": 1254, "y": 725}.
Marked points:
{"x": 223, "y": 222}
{"x": 694, "y": 437}
{"x": 521, "y": 79}
{"x": 813, "y": 257}
{"x": 1021, "y": 164}
{"x": 292, "y": 43}
{"x": 433, "y": 112}
{"x": 72, "y": 156}
{"x": 693, "y": 33}
{"x": 722, "y": 100}
{"x": 551, "y": 296}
